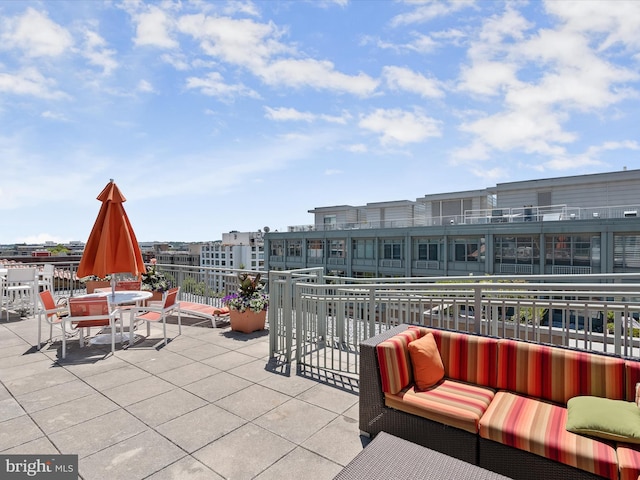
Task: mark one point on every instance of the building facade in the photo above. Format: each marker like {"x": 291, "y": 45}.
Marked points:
{"x": 236, "y": 250}
{"x": 567, "y": 225}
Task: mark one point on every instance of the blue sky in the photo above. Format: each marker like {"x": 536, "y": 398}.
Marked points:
{"x": 220, "y": 116}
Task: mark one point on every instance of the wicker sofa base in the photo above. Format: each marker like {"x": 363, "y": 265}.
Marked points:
{"x": 522, "y": 465}
{"x": 427, "y": 433}
{"x": 389, "y": 458}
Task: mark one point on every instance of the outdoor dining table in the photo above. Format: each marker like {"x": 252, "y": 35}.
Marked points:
{"x": 119, "y": 299}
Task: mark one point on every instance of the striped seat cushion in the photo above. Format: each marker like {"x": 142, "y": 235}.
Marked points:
{"x": 632, "y": 377}
{"x": 394, "y": 361}
{"x": 452, "y": 403}
{"x": 557, "y": 374}
{"x": 628, "y": 461}
{"x": 539, "y": 428}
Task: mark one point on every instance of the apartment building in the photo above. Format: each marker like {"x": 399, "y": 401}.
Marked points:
{"x": 236, "y": 250}
{"x": 565, "y": 225}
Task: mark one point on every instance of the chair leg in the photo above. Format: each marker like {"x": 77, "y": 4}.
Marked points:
{"x": 164, "y": 329}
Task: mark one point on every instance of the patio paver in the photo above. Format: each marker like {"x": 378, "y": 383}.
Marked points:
{"x": 187, "y": 410}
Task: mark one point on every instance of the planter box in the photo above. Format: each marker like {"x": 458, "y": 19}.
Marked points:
{"x": 247, "y": 321}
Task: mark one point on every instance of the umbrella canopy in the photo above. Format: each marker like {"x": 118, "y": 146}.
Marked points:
{"x": 112, "y": 246}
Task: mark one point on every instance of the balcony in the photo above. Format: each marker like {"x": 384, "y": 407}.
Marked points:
{"x": 289, "y": 396}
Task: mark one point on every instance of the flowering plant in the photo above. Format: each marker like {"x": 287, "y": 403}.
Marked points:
{"x": 250, "y": 295}
{"x": 94, "y": 278}
{"x": 154, "y": 280}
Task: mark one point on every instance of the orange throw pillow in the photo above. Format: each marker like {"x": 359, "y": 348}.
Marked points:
{"x": 427, "y": 364}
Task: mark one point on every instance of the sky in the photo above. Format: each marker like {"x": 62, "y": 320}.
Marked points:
{"x": 213, "y": 116}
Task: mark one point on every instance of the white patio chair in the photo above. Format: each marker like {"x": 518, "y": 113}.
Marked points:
{"x": 20, "y": 285}
{"x": 46, "y": 277}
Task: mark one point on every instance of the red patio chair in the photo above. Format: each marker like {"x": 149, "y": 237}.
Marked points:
{"x": 154, "y": 314}
{"x": 51, "y": 312}
{"x": 87, "y": 312}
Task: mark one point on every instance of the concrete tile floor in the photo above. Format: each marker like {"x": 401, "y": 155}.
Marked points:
{"x": 209, "y": 405}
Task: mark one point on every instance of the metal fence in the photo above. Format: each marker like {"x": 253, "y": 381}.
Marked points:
{"x": 319, "y": 321}
{"x": 202, "y": 284}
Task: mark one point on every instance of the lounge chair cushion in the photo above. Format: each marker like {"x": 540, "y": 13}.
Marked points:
{"x": 426, "y": 362}
{"x": 450, "y": 402}
{"x": 616, "y": 420}
{"x": 393, "y": 361}
{"x": 525, "y": 369}
{"x": 538, "y": 427}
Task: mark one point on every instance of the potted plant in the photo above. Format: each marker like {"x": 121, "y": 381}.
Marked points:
{"x": 154, "y": 281}
{"x": 248, "y": 305}
{"x": 92, "y": 282}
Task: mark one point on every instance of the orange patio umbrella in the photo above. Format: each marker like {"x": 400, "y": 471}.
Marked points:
{"x": 112, "y": 246}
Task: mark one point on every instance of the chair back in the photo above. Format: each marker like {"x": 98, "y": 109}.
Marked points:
{"x": 47, "y": 300}
{"x": 128, "y": 285}
{"x": 89, "y": 306}
{"x": 170, "y": 298}
{"x": 21, "y": 275}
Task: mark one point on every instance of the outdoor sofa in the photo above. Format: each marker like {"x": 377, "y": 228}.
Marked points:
{"x": 502, "y": 403}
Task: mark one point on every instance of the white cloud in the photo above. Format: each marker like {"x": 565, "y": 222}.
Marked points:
{"x": 213, "y": 85}
{"x": 316, "y": 74}
{"x": 288, "y": 114}
{"x": 291, "y": 114}
{"x": 540, "y": 79}
{"x": 420, "y": 44}
{"x": 54, "y": 116}
{"x": 94, "y": 49}
{"x": 334, "y": 171}
{"x": 399, "y": 78}
{"x": 400, "y": 126}
{"x": 35, "y": 34}
{"x": 620, "y": 25}
{"x": 30, "y": 82}
{"x": 154, "y": 28}
{"x": 428, "y": 10}
{"x": 145, "y": 87}
{"x": 357, "y": 148}
{"x": 257, "y": 47}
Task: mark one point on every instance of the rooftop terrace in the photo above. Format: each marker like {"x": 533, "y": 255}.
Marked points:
{"x": 209, "y": 405}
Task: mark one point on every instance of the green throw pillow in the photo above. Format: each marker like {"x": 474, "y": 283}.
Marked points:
{"x": 604, "y": 418}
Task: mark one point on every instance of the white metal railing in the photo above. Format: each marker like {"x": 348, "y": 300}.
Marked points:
{"x": 198, "y": 283}
{"x": 490, "y": 215}
{"x": 320, "y": 321}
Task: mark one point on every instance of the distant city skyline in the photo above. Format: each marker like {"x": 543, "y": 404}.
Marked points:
{"x": 220, "y": 116}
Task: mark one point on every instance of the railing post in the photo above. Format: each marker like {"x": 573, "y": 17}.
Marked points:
{"x": 372, "y": 313}
{"x": 477, "y": 307}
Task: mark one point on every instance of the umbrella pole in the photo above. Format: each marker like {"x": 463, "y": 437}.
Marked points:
{"x": 113, "y": 286}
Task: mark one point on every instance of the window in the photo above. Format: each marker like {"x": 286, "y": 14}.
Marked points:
{"x": 277, "y": 248}
{"x": 520, "y": 249}
{"x": 466, "y": 249}
{"x": 336, "y": 249}
{"x": 330, "y": 222}
{"x": 626, "y": 251}
{"x": 294, "y": 248}
{"x": 391, "y": 249}
{"x": 427, "y": 249}
{"x": 573, "y": 250}
{"x": 364, "y": 249}
{"x": 315, "y": 248}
